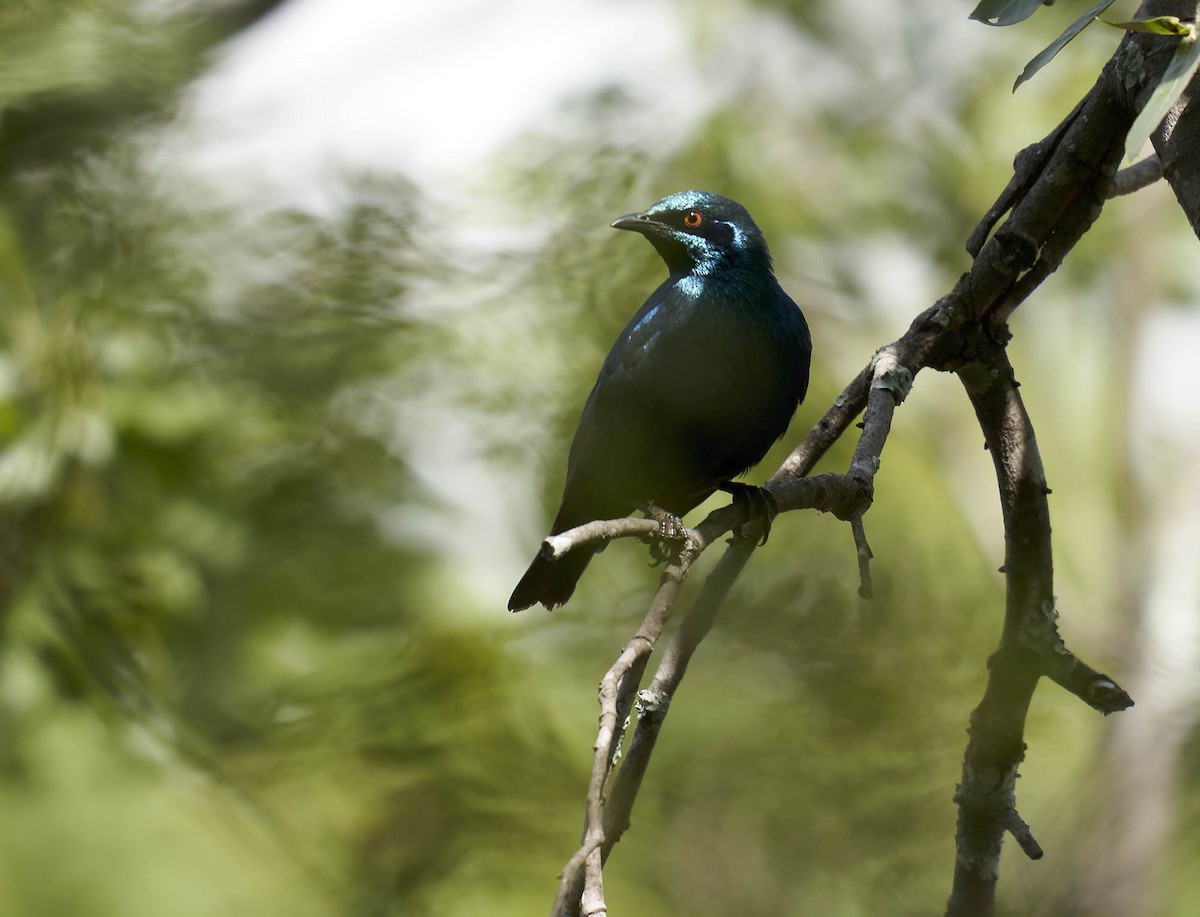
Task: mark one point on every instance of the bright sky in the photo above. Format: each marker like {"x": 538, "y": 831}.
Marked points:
{"x": 426, "y": 90}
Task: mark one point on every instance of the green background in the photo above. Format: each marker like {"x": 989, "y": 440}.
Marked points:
{"x": 269, "y": 473}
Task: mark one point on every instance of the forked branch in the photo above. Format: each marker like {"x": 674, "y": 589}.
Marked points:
{"x": 1058, "y": 189}
{"x": 1030, "y": 644}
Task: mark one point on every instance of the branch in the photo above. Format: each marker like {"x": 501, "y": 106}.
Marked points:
{"x": 601, "y": 530}
{"x": 1178, "y": 137}
{"x": 1030, "y": 645}
{"x": 655, "y": 701}
{"x": 1057, "y": 191}
{"x": 1140, "y": 175}
{"x": 847, "y": 495}
{"x": 884, "y": 383}
{"x": 616, "y": 693}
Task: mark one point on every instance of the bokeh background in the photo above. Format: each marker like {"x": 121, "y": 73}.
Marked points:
{"x": 300, "y": 303}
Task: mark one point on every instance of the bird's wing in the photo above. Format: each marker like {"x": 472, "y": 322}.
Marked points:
{"x": 691, "y": 395}
{"x": 622, "y": 417}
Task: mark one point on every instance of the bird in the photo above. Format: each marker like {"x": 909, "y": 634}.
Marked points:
{"x": 698, "y": 386}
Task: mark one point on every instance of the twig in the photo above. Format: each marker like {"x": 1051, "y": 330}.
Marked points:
{"x": 1140, "y": 175}
{"x": 1016, "y": 826}
{"x": 555, "y": 546}
{"x": 863, "y": 551}
{"x": 891, "y": 382}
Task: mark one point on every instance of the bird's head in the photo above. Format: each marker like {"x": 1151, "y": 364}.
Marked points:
{"x": 698, "y": 231}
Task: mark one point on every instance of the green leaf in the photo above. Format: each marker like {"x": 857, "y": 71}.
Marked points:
{"x": 1059, "y": 43}
{"x": 1004, "y": 12}
{"x": 1159, "y": 25}
{"x": 1179, "y": 73}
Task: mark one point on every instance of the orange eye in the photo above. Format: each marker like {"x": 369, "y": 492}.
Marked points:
{"x": 692, "y": 219}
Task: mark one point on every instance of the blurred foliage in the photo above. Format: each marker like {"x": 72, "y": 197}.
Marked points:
{"x": 266, "y": 478}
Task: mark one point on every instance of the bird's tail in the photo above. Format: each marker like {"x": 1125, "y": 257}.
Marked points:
{"x": 550, "y": 582}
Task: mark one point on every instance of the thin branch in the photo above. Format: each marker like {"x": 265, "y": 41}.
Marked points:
{"x": 1028, "y": 165}
{"x": 601, "y": 530}
{"x": 826, "y": 431}
{"x": 912, "y": 352}
{"x": 620, "y": 683}
{"x": 863, "y": 550}
{"x": 890, "y": 383}
{"x": 592, "y": 902}
{"x": 655, "y": 701}
{"x": 1016, "y": 826}
{"x": 1096, "y": 690}
{"x": 1066, "y": 185}
{"x": 616, "y": 691}
{"x": 847, "y": 496}
{"x": 1140, "y": 175}
{"x": 606, "y": 824}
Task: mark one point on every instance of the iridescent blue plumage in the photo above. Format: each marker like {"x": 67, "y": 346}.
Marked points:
{"x": 704, "y": 378}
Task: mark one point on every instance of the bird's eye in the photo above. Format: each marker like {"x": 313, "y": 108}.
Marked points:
{"x": 692, "y": 219}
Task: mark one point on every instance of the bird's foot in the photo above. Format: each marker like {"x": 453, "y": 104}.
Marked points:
{"x": 756, "y": 506}
{"x": 671, "y": 538}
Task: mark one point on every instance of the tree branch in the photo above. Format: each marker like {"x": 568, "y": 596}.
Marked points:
{"x": 1057, "y": 191}
{"x": 1141, "y": 174}
{"x": 1030, "y": 645}
{"x": 1178, "y": 137}
{"x": 601, "y": 530}
{"x": 883, "y": 384}
{"x": 616, "y": 693}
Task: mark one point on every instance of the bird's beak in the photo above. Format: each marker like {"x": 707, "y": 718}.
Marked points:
{"x": 640, "y": 222}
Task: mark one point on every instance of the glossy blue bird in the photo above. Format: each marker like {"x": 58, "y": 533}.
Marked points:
{"x": 699, "y": 385}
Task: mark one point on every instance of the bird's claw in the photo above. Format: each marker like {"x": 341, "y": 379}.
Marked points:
{"x": 757, "y": 507}
{"x": 665, "y": 545}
